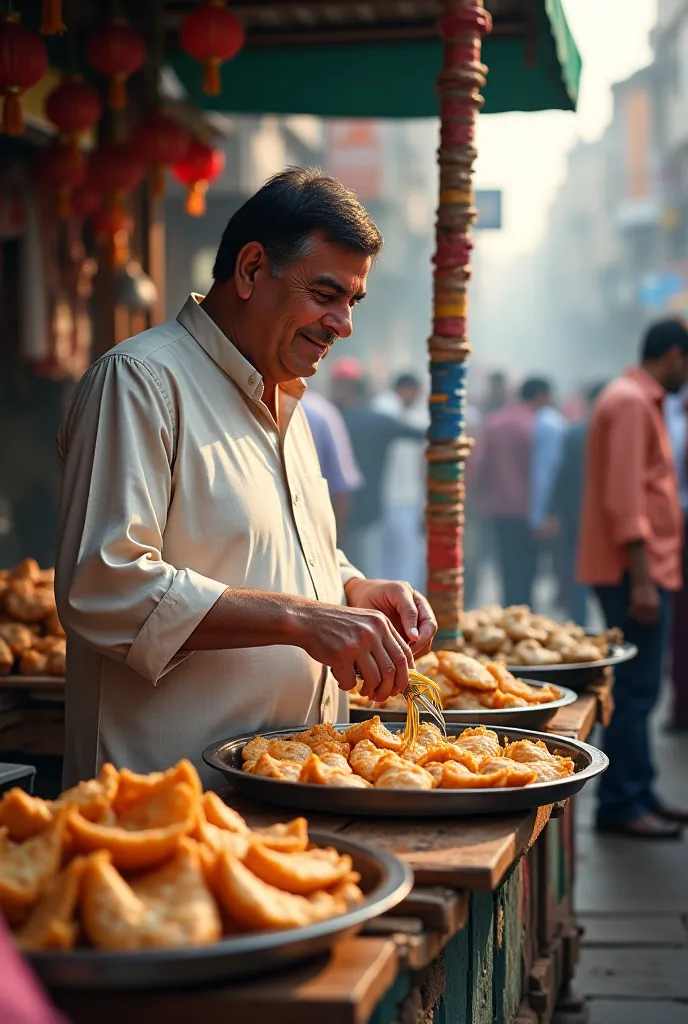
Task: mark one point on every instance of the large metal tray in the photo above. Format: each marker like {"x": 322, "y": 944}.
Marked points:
{"x": 385, "y": 880}
{"x": 226, "y": 757}
{"x": 576, "y": 676}
{"x": 532, "y": 717}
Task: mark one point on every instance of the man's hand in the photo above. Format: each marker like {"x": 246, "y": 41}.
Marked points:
{"x": 644, "y": 606}
{"x": 408, "y": 610}
{"x": 358, "y": 640}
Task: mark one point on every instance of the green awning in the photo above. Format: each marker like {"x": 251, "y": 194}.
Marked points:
{"x": 394, "y": 79}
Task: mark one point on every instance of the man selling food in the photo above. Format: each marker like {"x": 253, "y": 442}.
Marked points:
{"x": 198, "y": 577}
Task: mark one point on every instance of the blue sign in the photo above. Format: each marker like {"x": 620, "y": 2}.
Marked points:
{"x": 488, "y": 203}
{"x": 655, "y": 290}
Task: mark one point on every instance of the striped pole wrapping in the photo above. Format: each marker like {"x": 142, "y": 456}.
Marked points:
{"x": 462, "y": 27}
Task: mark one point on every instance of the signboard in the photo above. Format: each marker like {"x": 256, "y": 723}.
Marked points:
{"x": 355, "y": 155}
{"x": 656, "y": 290}
{"x": 488, "y": 203}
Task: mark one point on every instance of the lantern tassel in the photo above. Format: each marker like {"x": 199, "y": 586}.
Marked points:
{"x": 212, "y": 83}
{"x": 117, "y": 91}
{"x": 120, "y": 248}
{"x": 195, "y": 199}
{"x": 158, "y": 181}
{"x": 64, "y": 203}
{"x": 12, "y": 118}
{"x": 51, "y": 18}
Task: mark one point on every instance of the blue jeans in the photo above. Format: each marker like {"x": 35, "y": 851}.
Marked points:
{"x": 626, "y": 790}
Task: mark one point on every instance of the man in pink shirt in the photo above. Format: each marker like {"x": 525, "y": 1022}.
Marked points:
{"x": 630, "y": 551}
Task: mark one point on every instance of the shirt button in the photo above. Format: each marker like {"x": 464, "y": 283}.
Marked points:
{"x": 251, "y": 379}
{"x": 311, "y": 562}
{"x": 295, "y": 499}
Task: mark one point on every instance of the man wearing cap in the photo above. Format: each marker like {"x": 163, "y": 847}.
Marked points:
{"x": 198, "y": 577}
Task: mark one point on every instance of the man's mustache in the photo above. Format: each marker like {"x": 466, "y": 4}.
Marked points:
{"x": 324, "y": 339}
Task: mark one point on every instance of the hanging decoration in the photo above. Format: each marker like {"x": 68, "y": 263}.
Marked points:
{"x": 74, "y": 108}
{"x": 201, "y": 166}
{"x": 23, "y": 62}
{"x": 159, "y": 142}
{"x": 462, "y": 27}
{"x": 112, "y": 229}
{"x": 85, "y": 200}
{"x": 115, "y": 170}
{"x": 116, "y": 51}
{"x": 56, "y": 170}
{"x": 51, "y": 18}
{"x": 212, "y": 35}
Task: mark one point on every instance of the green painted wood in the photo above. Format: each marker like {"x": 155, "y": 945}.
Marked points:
{"x": 507, "y": 979}
{"x": 481, "y": 946}
{"x": 387, "y": 1010}
{"x": 453, "y": 1008}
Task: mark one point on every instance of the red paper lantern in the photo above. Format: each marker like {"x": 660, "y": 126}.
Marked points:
{"x": 115, "y": 168}
{"x": 85, "y": 200}
{"x": 201, "y": 166}
{"x": 23, "y": 62}
{"x": 158, "y": 142}
{"x": 212, "y": 35}
{"x": 56, "y": 170}
{"x": 73, "y": 107}
{"x": 116, "y": 52}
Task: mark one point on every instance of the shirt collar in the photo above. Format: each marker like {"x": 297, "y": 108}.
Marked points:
{"x": 222, "y": 351}
{"x": 654, "y": 391}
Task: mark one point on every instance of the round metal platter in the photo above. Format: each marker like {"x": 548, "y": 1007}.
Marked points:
{"x": 589, "y": 761}
{"x": 577, "y": 676}
{"x": 532, "y": 717}
{"x": 385, "y": 880}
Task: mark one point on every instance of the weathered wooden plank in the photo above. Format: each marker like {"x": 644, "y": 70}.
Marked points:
{"x": 481, "y": 938}
{"x": 454, "y": 1004}
{"x": 471, "y": 853}
{"x": 577, "y": 719}
{"x": 345, "y": 989}
{"x": 439, "y": 908}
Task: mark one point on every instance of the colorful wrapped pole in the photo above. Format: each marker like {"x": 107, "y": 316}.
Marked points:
{"x": 462, "y": 27}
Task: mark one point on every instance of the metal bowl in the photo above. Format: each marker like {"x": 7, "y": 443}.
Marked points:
{"x": 385, "y": 880}
{"x": 579, "y": 675}
{"x": 532, "y": 717}
{"x": 589, "y": 761}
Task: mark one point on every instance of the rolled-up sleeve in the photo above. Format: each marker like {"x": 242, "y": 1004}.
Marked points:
{"x": 625, "y": 496}
{"x": 347, "y": 570}
{"x": 114, "y": 589}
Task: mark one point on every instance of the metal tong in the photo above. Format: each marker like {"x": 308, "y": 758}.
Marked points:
{"x": 423, "y": 704}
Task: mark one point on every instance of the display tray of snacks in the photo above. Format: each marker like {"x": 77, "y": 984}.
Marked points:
{"x": 475, "y": 692}
{"x": 374, "y": 771}
{"x": 142, "y": 881}
{"x": 540, "y": 648}
{"x": 32, "y": 640}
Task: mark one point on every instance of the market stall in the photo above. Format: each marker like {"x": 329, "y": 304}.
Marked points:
{"x": 488, "y": 932}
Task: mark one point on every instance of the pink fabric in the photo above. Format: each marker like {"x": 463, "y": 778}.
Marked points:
{"x": 22, "y": 1001}
{"x": 499, "y": 470}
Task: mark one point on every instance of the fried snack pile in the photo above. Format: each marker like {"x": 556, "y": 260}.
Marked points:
{"x": 32, "y": 640}
{"x": 368, "y": 755}
{"x": 130, "y": 862}
{"x": 515, "y": 636}
{"x": 466, "y": 684}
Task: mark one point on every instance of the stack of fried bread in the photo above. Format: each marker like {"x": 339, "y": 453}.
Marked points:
{"x": 516, "y": 636}
{"x": 32, "y": 640}
{"x": 368, "y": 754}
{"x": 130, "y": 862}
{"x": 466, "y": 684}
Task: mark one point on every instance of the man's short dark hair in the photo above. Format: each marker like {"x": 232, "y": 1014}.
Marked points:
{"x": 406, "y": 380}
{"x": 284, "y": 214}
{"x": 662, "y": 336}
{"x": 535, "y": 387}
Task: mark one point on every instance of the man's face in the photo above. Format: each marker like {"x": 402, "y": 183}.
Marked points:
{"x": 408, "y": 393}
{"x": 675, "y": 370}
{"x": 296, "y": 319}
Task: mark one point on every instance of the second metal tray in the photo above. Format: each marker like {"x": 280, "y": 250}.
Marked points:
{"x": 532, "y": 717}
{"x": 385, "y": 880}
{"x": 577, "y": 674}
{"x": 589, "y": 761}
